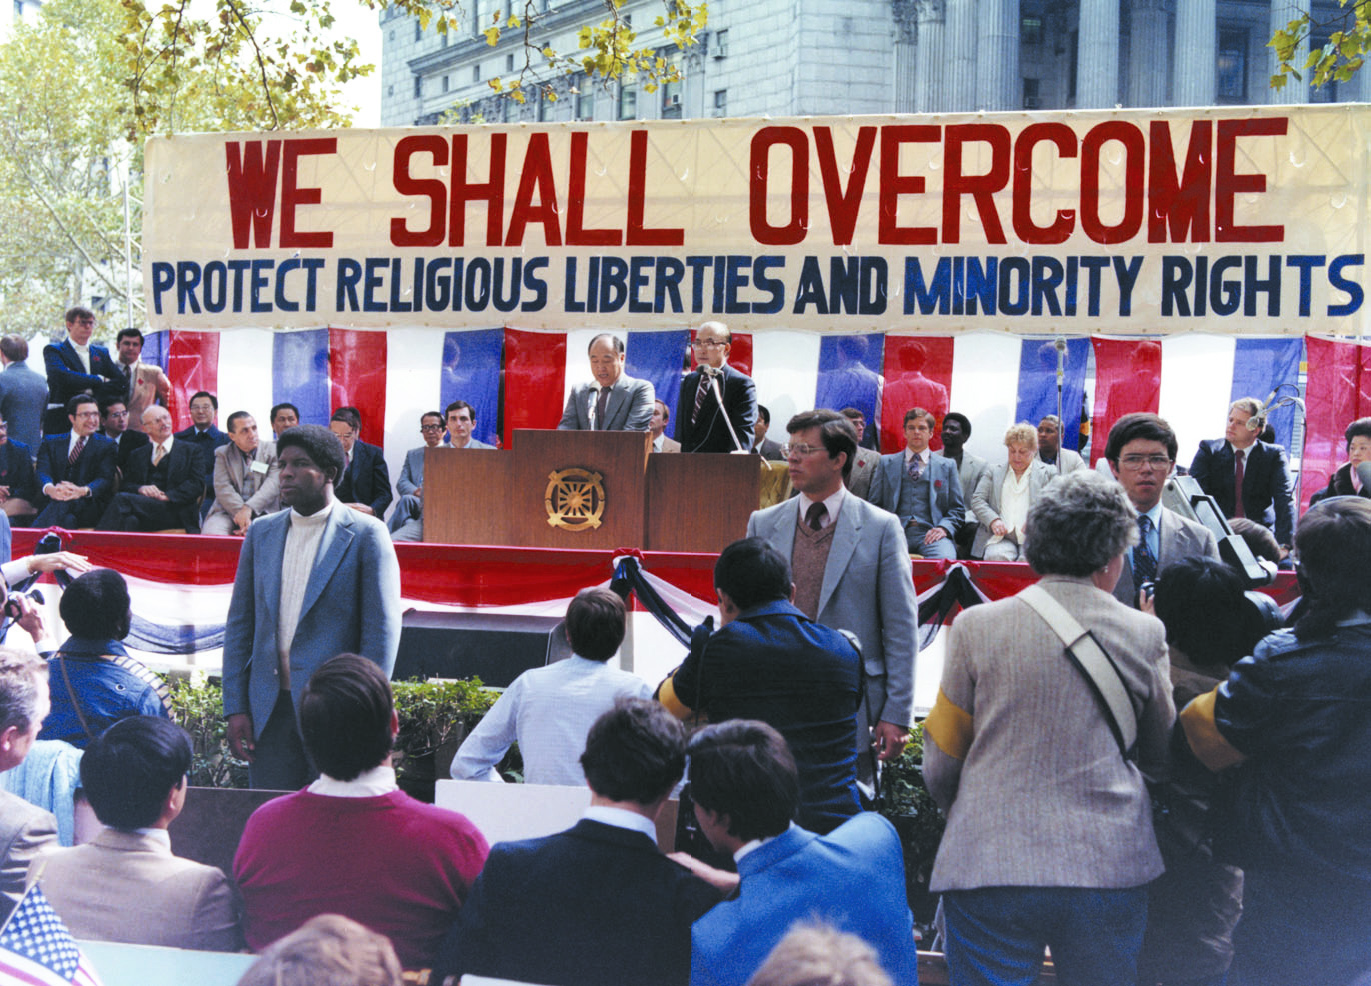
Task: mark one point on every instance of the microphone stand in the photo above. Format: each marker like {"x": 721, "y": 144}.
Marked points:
{"x": 718, "y": 396}
{"x": 1060, "y": 344}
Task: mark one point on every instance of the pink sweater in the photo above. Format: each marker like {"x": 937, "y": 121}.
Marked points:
{"x": 396, "y": 865}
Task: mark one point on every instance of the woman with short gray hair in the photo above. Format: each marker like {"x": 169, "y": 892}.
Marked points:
{"x": 1049, "y": 836}
{"x": 1005, "y": 494}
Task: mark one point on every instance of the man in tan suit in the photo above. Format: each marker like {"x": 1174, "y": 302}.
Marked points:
{"x": 247, "y": 480}
{"x": 125, "y": 885}
{"x": 661, "y": 414}
{"x": 147, "y": 384}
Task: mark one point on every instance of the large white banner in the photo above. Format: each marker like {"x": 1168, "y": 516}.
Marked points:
{"x": 1229, "y": 219}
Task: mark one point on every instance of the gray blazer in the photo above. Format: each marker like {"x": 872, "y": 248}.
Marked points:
{"x": 412, "y": 472}
{"x": 176, "y": 903}
{"x": 629, "y": 407}
{"x": 945, "y": 489}
{"x": 352, "y": 603}
{"x": 868, "y": 588}
{"x": 23, "y": 398}
{"x": 863, "y": 468}
{"x": 228, "y": 481}
{"x": 1034, "y": 786}
{"x": 1176, "y": 538}
{"x": 25, "y": 831}
{"x": 985, "y": 501}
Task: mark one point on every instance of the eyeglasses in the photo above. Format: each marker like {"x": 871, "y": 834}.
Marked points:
{"x": 430, "y": 427}
{"x": 801, "y": 449}
{"x": 1138, "y": 461}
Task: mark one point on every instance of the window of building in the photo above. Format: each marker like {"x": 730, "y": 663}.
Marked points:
{"x": 1073, "y": 40}
{"x": 721, "y": 43}
{"x": 418, "y": 29}
{"x": 585, "y": 98}
{"x": 1032, "y": 99}
{"x": 672, "y": 91}
{"x": 1031, "y": 30}
{"x": 418, "y": 87}
{"x": 628, "y": 102}
{"x": 509, "y": 62}
{"x": 545, "y": 105}
{"x": 390, "y": 90}
{"x": 445, "y": 83}
{"x": 720, "y": 102}
{"x": 476, "y": 72}
{"x": 1232, "y": 65}
{"x": 392, "y": 30}
{"x": 1329, "y": 91}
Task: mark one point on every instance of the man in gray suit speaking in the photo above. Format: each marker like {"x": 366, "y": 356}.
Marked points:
{"x": 614, "y": 401}
{"x": 282, "y": 624}
{"x": 851, "y": 571}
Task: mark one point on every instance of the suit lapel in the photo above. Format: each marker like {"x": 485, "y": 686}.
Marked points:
{"x": 845, "y": 535}
{"x": 69, "y": 357}
{"x": 273, "y": 551}
{"x": 613, "y": 403}
{"x": 338, "y": 534}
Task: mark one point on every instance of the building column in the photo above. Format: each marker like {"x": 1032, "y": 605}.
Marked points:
{"x": 1196, "y": 59}
{"x": 906, "y": 55}
{"x": 1097, "y": 55}
{"x": 959, "y": 83}
{"x": 1149, "y": 54}
{"x": 1296, "y": 90}
{"x": 928, "y": 94}
{"x": 998, "y": 83}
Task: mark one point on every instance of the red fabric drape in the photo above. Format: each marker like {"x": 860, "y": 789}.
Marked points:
{"x": 192, "y": 365}
{"x": 1338, "y": 391}
{"x": 357, "y": 374}
{"x": 918, "y": 373}
{"x": 535, "y": 371}
{"x": 1128, "y": 376}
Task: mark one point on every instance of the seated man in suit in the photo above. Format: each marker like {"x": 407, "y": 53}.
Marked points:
{"x": 407, "y": 519}
{"x": 1141, "y": 452}
{"x": 25, "y": 829}
{"x": 702, "y": 424}
{"x": 864, "y": 462}
{"x": 352, "y": 842}
{"x": 598, "y": 903}
{"x": 615, "y": 401}
{"x": 284, "y": 416}
{"x": 769, "y": 661}
{"x": 76, "y": 470}
{"x": 1050, "y": 449}
{"x": 74, "y": 366}
{"x": 134, "y": 776}
{"x": 365, "y": 485}
{"x": 762, "y": 445}
{"x": 203, "y": 434}
{"x": 1240, "y": 460}
{"x": 164, "y": 483}
{"x": 549, "y": 710}
{"x": 247, "y": 479}
{"x": 746, "y": 791}
{"x": 922, "y": 489}
{"x": 18, "y": 481}
{"x": 114, "y": 425}
{"x": 91, "y": 679}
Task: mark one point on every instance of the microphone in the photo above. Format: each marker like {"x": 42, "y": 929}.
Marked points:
{"x": 594, "y": 394}
{"x": 1254, "y": 423}
{"x": 1059, "y": 344}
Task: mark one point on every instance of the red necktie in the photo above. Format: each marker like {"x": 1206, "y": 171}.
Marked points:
{"x": 1237, "y": 485}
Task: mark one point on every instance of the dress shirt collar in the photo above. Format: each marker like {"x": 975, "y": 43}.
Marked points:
{"x": 657, "y": 442}
{"x": 909, "y": 455}
{"x": 156, "y": 835}
{"x": 1154, "y": 515}
{"x": 755, "y": 844}
{"x": 71, "y": 441}
{"x": 166, "y": 445}
{"x": 318, "y": 519}
{"x": 832, "y": 504}
{"x": 622, "y": 818}
{"x": 368, "y": 784}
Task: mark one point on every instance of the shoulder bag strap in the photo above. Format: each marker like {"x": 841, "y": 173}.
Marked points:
{"x": 1093, "y": 662}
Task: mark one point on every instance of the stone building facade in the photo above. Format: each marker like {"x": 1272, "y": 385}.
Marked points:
{"x": 836, "y": 57}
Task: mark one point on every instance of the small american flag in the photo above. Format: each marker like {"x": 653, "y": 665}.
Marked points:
{"x": 36, "y": 949}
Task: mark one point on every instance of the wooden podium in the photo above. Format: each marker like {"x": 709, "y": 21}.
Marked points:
{"x": 588, "y": 489}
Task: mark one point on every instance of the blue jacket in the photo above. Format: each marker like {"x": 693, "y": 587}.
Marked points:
{"x": 775, "y": 664}
{"x": 107, "y": 683}
{"x": 852, "y": 878}
{"x": 67, "y": 378}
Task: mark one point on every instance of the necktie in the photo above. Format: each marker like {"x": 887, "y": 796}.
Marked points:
{"x": 916, "y": 468}
{"x": 249, "y": 479}
{"x": 700, "y": 396}
{"x": 76, "y": 451}
{"x": 1237, "y": 484}
{"x": 1144, "y": 561}
{"x": 815, "y": 515}
{"x": 157, "y": 454}
{"x": 128, "y": 380}
{"x": 601, "y": 403}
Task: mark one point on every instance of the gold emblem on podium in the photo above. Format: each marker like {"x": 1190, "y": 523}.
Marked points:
{"x": 575, "y": 499}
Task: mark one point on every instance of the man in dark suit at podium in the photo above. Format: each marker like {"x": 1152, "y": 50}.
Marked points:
{"x": 702, "y": 424}
{"x": 614, "y": 401}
